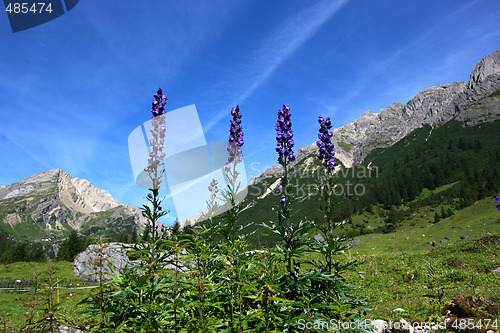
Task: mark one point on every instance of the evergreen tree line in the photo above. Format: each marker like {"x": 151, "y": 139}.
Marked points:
{"x": 473, "y": 168}
{"x": 13, "y": 251}
{"x": 75, "y": 243}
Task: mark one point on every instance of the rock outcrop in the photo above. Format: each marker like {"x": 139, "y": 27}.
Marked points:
{"x": 113, "y": 254}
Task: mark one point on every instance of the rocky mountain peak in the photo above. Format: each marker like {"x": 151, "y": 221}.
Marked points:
{"x": 85, "y": 195}
{"x": 78, "y": 194}
{"x": 435, "y": 105}
{"x": 51, "y": 202}
{"x": 486, "y": 67}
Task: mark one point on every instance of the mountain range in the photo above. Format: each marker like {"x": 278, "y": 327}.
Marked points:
{"x": 444, "y": 140}
{"x": 45, "y": 207}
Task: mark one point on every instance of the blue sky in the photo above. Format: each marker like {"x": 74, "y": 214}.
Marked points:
{"x": 73, "y": 89}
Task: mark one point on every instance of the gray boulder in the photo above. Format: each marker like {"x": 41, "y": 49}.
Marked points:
{"x": 113, "y": 254}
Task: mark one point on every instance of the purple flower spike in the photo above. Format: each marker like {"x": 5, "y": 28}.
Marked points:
{"x": 157, "y": 140}
{"x": 498, "y": 200}
{"x": 284, "y": 136}
{"x": 325, "y": 145}
{"x": 235, "y": 137}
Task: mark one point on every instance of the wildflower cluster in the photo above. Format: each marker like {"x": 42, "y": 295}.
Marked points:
{"x": 325, "y": 145}
{"x": 284, "y": 135}
{"x": 498, "y": 201}
{"x": 157, "y": 137}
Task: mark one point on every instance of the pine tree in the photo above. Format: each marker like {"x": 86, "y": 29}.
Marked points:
{"x": 71, "y": 247}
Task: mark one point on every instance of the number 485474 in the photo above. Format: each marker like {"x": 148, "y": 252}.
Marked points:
{"x": 471, "y": 324}
{"x": 24, "y": 8}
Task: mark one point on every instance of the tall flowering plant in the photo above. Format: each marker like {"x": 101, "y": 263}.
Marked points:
{"x": 498, "y": 201}
{"x": 156, "y": 155}
{"x": 329, "y": 283}
{"x": 232, "y": 248}
{"x": 326, "y": 153}
{"x": 235, "y": 143}
{"x": 136, "y": 297}
{"x": 293, "y": 235}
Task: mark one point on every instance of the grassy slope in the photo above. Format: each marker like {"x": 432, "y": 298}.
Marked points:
{"x": 417, "y": 149}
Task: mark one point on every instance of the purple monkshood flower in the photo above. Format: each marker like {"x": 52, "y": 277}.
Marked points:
{"x": 498, "y": 200}
{"x": 279, "y": 190}
{"x": 325, "y": 145}
{"x": 284, "y": 136}
{"x": 283, "y": 200}
{"x": 159, "y": 101}
{"x": 235, "y": 137}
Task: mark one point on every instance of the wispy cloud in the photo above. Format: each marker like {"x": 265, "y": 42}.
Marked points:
{"x": 286, "y": 39}
{"x": 382, "y": 65}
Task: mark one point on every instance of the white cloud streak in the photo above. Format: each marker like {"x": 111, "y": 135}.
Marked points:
{"x": 281, "y": 44}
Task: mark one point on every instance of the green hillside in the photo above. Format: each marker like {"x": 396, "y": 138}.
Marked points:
{"x": 431, "y": 175}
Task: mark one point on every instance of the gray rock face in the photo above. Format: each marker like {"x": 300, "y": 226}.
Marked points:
{"x": 112, "y": 255}
{"x": 51, "y": 202}
{"x": 435, "y": 105}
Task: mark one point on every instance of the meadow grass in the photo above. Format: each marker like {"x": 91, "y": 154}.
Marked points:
{"x": 16, "y": 306}
{"x": 397, "y": 273}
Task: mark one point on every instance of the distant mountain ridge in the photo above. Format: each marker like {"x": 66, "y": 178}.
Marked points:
{"x": 435, "y": 105}
{"x": 46, "y": 206}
